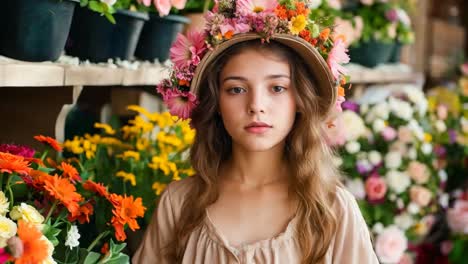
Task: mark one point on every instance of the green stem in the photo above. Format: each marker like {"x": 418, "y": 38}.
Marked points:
{"x": 50, "y": 211}
{"x": 94, "y": 243}
{"x": 10, "y": 192}
{"x": 44, "y": 155}
{"x": 206, "y": 5}
{"x": 1, "y": 181}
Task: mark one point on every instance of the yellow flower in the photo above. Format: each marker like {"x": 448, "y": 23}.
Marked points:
{"x": 188, "y": 132}
{"x": 165, "y": 138}
{"x": 127, "y": 177}
{"x": 107, "y": 129}
{"x": 427, "y": 137}
{"x": 190, "y": 171}
{"x": 162, "y": 163}
{"x": 139, "y": 110}
{"x": 159, "y": 187}
{"x": 165, "y": 120}
{"x": 130, "y": 131}
{"x": 176, "y": 176}
{"x": 142, "y": 124}
{"x": 142, "y": 143}
{"x": 90, "y": 154}
{"x": 4, "y": 204}
{"x": 130, "y": 154}
{"x": 297, "y": 24}
{"x": 7, "y": 230}
{"x": 27, "y": 213}
{"x": 420, "y": 228}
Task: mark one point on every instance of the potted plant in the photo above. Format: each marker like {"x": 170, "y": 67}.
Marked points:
{"x": 35, "y": 30}
{"x": 161, "y": 30}
{"x": 106, "y": 29}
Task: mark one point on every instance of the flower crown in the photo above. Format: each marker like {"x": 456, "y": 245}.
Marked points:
{"x": 264, "y": 17}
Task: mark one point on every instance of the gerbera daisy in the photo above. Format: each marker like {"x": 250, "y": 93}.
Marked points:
{"x": 35, "y": 249}
{"x": 254, "y": 7}
{"x": 180, "y": 103}
{"x": 96, "y": 188}
{"x": 85, "y": 211}
{"x": 10, "y": 163}
{"x": 19, "y": 150}
{"x": 70, "y": 172}
{"x": 188, "y": 50}
{"x": 49, "y": 141}
{"x": 298, "y": 23}
{"x": 127, "y": 210}
{"x": 63, "y": 191}
{"x": 336, "y": 57}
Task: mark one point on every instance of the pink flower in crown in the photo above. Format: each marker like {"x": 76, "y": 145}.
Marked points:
{"x": 235, "y": 25}
{"x": 254, "y": 7}
{"x": 188, "y": 50}
{"x": 163, "y": 6}
{"x": 180, "y": 103}
{"x": 340, "y": 100}
{"x": 336, "y": 57}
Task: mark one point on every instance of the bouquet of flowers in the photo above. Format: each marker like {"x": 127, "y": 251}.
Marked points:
{"x": 387, "y": 156}
{"x": 47, "y": 210}
{"x": 138, "y": 159}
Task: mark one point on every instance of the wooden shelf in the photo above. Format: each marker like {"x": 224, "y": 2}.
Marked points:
{"x": 388, "y": 73}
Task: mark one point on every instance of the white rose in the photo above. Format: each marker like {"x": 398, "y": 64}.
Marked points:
{"x": 418, "y": 98}
{"x": 397, "y": 181}
{"x": 356, "y": 187}
{"x": 378, "y": 125}
{"x": 8, "y": 229}
{"x": 354, "y": 125}
{"x": 417, "y": 130}
{"x": 393, "y": 160}
{"x": 404, "y": 221}
{"x": 26, "y": 213}
{"x": 391, "y": 244}
{"x": 444, "y": 200}
{"x": 353, "y": 147}
{"x": 404, "y": 111}
{"x": 440, "y": 126}
{"x": 400, "y": 204}
{"x": 413, "y": 208}
{"x": 380, "y": 111}
{"x": 375, "y": 157}
{"x": 378, "y": 228}
{"x": 412, "y": 154}
{"x": 426, "y": 148}
{"x": 442, "y": 175}
{"x": 4, "y": 204}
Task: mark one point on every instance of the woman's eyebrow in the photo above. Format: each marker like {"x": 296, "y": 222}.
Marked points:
{"x": 239, "y": 78}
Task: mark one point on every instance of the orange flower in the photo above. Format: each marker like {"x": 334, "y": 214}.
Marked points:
{"x": 105, "y": 248}
{"x": 85, "y": 211}
{"x": 50, "y": 141}
{"x": 341, "y": 91}
{"x": 281, "y": 12}
{"x": 125, "y": 211}
{"x": 35, "y": 160}
{"x": 305, "y": 34}
{"x": 301, "y": 9}
{"x": 10, "y": 163}
{"x": 325, "y": 34}
{"x": 228, "y": 35}
{"x": 70, "y": 172}
{"x": 35, "y": 249}
{"x": 184, "y": 82}
{"x": 51, "y": 162}
{"x": 96, "y": 188}
{"x": 63, "y": 191}
{"x": 119, "y": 229}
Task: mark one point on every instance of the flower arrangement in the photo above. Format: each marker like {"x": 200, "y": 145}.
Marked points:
{"x": 140, "y": 158}
{"x": 108, "y": 7}
{"x": 47, "y": 210}
{"x": 162, "y": 7}
{"x": 387, "y": 155}
{"x": 457, "y": 218}
{"x": 264, "y": 17}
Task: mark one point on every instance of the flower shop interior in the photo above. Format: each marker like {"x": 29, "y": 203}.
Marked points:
{"x": 85, "y": 130}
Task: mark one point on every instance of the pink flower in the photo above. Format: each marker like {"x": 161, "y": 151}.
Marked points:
{"x": 163, "y": 6}
{"x": 18, "y": 150}
{"x": 442, "y": 112}
{"x": 144, "y": 2}
{"x": 464, "y": 69}
{"x": 16, "y": 247}
{"x": 4, "y": 256}
{"x": 336, "y": 57}
{"x": 420, "y": 195}
{"x": 375, "y": 188}
{"x": 406, "y": 259}
{"x": 405, "y": 135}
{"x": 389, "y": 133}
{"x": 235, "y": 25}
{"x": 391, "y": 244}
{"x": 179, "y": 4}
{"x": 339, "y": 101}
{"x": 457, "y": 217}
{"x": 253, "y": 7}
{"x": 446, "y": 247}
{"x": 418, "y": 172}
{"x": 180, "y": 103}
{"x": 188, "y": 50}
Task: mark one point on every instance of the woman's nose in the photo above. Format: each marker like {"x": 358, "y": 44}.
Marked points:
{"x": 256, "y": 103}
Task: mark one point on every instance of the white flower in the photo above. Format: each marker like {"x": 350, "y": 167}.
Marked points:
{"x": 426, "y": 148}
{"x": 443, "y": 200}
{"x": 109, "y": 2}
{"x": 442, "y": 175}
{"x": 356, "y": 187}
{"x": 440, "y": 126}
{"x": 400, "y": 204}
{"x": 7, "y": 229}
{"x": 401, "y": 108}
{"x": 393, "y": 160}
{"x": 417, "y": 130}
{"x": 354, "y": 125}
{"x": 337, "y": 161}
{"x": 413, "y": 208}
{"x": 378, "y": 125}
{"x": 397, "y": 181}
{"x": 364, "y": 108}
{"x": 404, "y": 221}
{"x": 378, "y": 228}
{"x": 412, "y": 154}
{"x": 464, "y": 124}
{"x": 312, "y": 4}
{"x": 50, "y": 251}
{"x": 352, "y": 147}
{"x": 27, "y": 213}
{"x": 391, "y": 244}
{"x": 380, "y": 111}
{"x": 392, "y": 197}
{"x": 418, "y": 97}
{"x": 375, "y": 157}
{"x": 403, "y": 17}
{"x": 4, "y": 204}
{"x": 72, "y": 237}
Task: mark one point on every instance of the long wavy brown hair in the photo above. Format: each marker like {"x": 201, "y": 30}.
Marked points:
{"x": 314, "y": 177}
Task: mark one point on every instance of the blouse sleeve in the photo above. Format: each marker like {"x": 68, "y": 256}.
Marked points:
{"x": 352, "y": 240}
{"x": 158, "y": 234}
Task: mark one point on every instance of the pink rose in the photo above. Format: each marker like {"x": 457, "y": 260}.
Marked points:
{"x": 406, "y": 259}
{"x": 163, "y": 6}
{"x": 389, "y": 133}
{"x": 420, "y": 195}
{"x": 446, "y": 247}
{"x": 442, "y": 112}
{"x": 179, "y": 4}
{"x": 405, "y": 135}
{"x": 457, "y": 217}
{"x": 390, "y": 245}
{"x": 375, "y": 188}
{"x": 418, "y": 172}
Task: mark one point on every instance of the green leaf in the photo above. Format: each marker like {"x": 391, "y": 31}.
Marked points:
{"x": 83, "y": 3}
{"x": 51, "y": 233}
{"x": 110, "y": 18}
{"x": 96, "y": 6}
{"x": 92, "y": 258}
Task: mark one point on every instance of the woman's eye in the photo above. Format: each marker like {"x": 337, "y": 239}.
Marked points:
{"x": 236, "y": 90}
{"x": 278, "y": 89}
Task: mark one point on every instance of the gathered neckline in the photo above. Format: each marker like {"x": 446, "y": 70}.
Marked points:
{"x": 217, "y": 236}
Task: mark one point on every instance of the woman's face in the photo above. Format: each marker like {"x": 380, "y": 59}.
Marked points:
{"x": 257, "y": 100}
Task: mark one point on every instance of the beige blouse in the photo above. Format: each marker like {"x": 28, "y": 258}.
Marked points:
{"x": 206, "y": 244}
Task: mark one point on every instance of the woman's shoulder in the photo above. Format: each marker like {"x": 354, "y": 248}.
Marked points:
{"x": 345, "y": 202}
{"x": 176, "y": 192}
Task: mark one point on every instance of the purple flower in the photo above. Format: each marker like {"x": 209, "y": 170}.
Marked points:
{"x": 452, "y": 136}
{"x": 392, "y": 15}
{"x": 363, "y": 167}
{"x": 350, "y": 105}
{"x": 19, "y": 150}
{"x": 440, "y": 151}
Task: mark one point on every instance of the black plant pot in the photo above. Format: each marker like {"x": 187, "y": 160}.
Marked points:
{"x": 372, "y": 53}
{"x": 94, "y": 38}
{"x": 158, "y": 35}
{"x": 35, "y": 30}
{"x": 396, "y": 53}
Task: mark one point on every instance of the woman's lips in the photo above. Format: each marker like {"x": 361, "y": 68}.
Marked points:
{"x": 257, "y": 128}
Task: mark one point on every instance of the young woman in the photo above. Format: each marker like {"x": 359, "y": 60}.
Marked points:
{"x": 266, "y": 188}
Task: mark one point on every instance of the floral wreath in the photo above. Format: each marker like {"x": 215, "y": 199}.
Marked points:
{"x": 264, "y": 17}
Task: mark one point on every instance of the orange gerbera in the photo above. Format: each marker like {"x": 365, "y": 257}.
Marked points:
{"x": 63, "y": 191}
{"x": 85, "y": 211}
{"x": 301, "y": 9}
{"x": 281, "y": 12}
{"x": 96, "y": 188}
{"x": 35, "y": 249}
{"x": 125, "y": 211}
{"x": 70, "y": 172}
{"x": 50, "y": 141}
{"x": 10, "y": 163}
{"x": 325, "y": 34}
{"x": 119, "y": 229}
